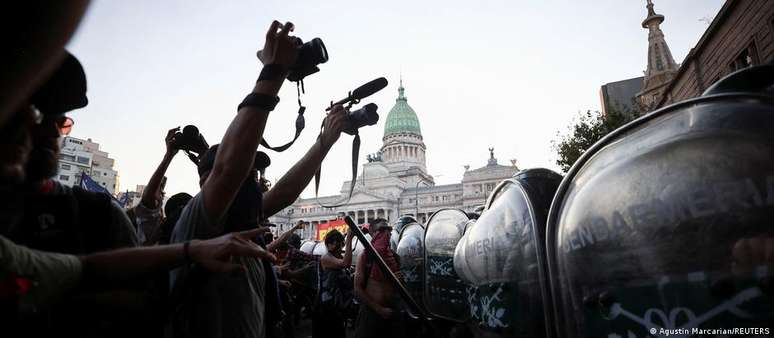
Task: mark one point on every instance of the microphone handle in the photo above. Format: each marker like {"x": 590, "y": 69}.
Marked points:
{"x": 342, "y": 101}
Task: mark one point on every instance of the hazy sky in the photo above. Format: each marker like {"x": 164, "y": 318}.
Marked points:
{"x": 502, "y": 74}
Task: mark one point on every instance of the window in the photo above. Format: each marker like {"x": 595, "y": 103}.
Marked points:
{"x": 445, "y": 198}
{"x": 66, "y": 157}
{"x": 64, "y": 178}
{"x": 748, "y": 57}
{"x": 65, "y": 166}
{"x": 84, "y": 160}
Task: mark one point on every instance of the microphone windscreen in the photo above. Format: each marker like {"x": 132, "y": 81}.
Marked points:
{"x": 369, "y": 88}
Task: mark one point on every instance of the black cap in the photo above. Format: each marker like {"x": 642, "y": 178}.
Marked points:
{"x": 64, "y": 91}
{"x": 176, "y": 203}
{"x": 207, "y": 160}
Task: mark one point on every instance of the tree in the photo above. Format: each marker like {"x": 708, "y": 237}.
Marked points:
{"x": 590, "y": 128}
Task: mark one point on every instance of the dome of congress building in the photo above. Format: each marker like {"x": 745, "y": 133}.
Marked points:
{"x": 402, "y": 118}
{"x": 395, "y": 181}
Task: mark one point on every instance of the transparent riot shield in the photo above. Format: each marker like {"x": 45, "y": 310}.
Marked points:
{"x": 444, "y": 291}
{"x": 320, "y": 249}
{"x": 411, "y": 253}
{"x": 397, "y": 228}
{"x": 503, "y": 254}
{"x": 307, "y": 247}
{"x": 665, "y": 225}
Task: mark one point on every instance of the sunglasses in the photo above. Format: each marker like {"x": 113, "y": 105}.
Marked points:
{"x": 63, "y": 123}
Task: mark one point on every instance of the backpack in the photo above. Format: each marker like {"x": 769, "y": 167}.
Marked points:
{"x": 76, "y": 223}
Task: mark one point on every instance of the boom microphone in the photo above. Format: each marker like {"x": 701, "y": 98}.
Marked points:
{"x": 363, "y": 91}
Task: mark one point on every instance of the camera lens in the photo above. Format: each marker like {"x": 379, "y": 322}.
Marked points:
{"x": 320, "y": 52}
{"x": 191, "y": 132}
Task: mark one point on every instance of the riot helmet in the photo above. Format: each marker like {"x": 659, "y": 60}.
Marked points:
{"x": 661, "y": 224}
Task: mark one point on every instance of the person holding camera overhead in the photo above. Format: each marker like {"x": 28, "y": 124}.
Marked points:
{"x": 147, "y": 215}
{"x": 234, "y": 305}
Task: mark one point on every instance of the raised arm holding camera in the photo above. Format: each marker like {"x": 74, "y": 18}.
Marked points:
{"x": 147, "y": 213}
{"x": 232, "y": 305}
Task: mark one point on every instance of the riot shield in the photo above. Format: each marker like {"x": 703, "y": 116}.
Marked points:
{"x": 397, "y": 228}
{"x": 444, "y": 292}
{"x": 320, "y": 249}
{"x": 665, "y": 224}
{"x": 411, "y": 253}
{"x": 504, "y": 255}
{"x": 307, "y": 247}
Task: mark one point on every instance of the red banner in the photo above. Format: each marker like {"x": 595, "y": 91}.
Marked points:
{"x": 324, "y": 228}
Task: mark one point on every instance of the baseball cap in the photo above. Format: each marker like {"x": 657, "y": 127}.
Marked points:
{"x": 64, "y": 91}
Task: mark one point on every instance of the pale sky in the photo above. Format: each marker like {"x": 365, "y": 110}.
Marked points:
{"x": 502, "y": 74}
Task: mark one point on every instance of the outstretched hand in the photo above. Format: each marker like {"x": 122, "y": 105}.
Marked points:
{"x": 170, "y": 141}
{"x": 280, "y": 48}
{"x": 216, "y": 254}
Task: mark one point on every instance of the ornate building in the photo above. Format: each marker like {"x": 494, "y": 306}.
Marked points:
{"x": 661, "y": 65}
{"x": 395, "y": 181}
{"x": 741, "y": 35}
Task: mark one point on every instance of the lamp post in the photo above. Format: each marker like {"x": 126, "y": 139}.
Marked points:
{"x": 416, "y": 198}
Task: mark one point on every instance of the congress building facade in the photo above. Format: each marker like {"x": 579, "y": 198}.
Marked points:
{"x": 395, "y": 181}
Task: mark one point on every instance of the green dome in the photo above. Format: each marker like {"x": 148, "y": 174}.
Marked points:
{"x": 401, "y": 119}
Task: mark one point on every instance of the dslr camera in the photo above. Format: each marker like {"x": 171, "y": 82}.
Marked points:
{"x": 310, "y": 54}
{"x": 190, "y": 140}
{"x": 365, "y": 116}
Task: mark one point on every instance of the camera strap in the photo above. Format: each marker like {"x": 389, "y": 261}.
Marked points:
{"x": 355, "y": 152}
{"x": 300, "y": 122}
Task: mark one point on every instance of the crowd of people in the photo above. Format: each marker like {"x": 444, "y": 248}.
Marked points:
{"x": 74, "y": 263}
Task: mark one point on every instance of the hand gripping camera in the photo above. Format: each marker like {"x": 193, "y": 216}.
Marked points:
{"x": 366, "y": 115}
{"x": 310, "y": 54}
{"x": 191, "y": 142}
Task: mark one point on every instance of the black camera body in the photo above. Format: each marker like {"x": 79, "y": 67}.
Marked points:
{"x": 310, "y": 54}
{"x": 365, "y": 116}
{"x": 190, "y": 140}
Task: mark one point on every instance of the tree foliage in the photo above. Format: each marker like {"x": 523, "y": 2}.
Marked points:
{"x": 589, "y": 128}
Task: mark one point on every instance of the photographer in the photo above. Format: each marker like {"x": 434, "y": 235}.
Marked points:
{"x": 147, "y": 213}
{"x": 231, "y": 305}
